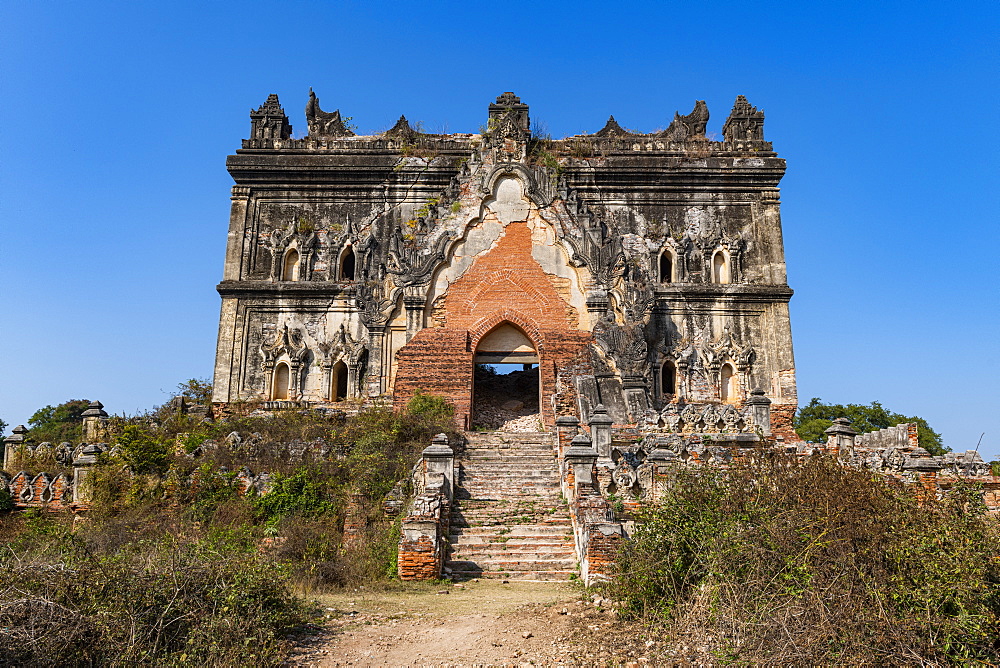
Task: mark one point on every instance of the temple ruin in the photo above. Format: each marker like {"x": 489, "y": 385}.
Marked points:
{"x": 643, "y": 272}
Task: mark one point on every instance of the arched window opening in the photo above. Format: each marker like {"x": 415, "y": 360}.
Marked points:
{"x": 290, "y": 271}
{"x": 347, "y": 264}
{"x": 668, "y": 379}
{"x": 727, "y": 384}
{"x": 279, "y": 388}
{"x": 666, "y": 267}
{"x": 339, "y": 382}
{"x": 720, "y": 268}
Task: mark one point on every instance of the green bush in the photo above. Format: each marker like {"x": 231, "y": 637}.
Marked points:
{"x": 305, "y": 492}
{"x": 141, "y": 451}
{"x": 805, "y": 563}
{"x": 429, "y": 407}
{"x": 6, "y": 500}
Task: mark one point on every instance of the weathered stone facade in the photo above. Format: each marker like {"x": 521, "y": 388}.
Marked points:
{"x": 644, "y": 272}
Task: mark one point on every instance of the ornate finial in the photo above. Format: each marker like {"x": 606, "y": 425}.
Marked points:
{"x": 95, "y": 409}
{"x": 508, "y": 99}
{"x": 745, "y": 122}
{"x": 401, "y": 129}
{"x": 509, "y": 106}
{"x": 691, "y": 126}
{"x": 612, "y": 129}
{"x": 324, "y": 123}
{"x": 269, "y": 120}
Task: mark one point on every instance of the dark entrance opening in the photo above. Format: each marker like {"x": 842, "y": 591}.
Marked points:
{"x": 505, "y": 387}
{"x": 339, "y": 381}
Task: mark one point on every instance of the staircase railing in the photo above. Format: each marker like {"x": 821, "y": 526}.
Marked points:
{"x": 597, "y": 534}
{"x": 424, "y": 539}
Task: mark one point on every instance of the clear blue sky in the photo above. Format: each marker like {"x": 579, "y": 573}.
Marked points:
{"x": 118, "y": 117}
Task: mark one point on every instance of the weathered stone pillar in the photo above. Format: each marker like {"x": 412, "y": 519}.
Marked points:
{"x": 840, "y": 438}
{"x": 414, "y": 305}
{"x": 81, "y": 470}
{"x": 93, "y": 422}
{"x": 13, "y": 442}
{"x": 567, "y": 426}
{"x": 376, "y": 383}
{"x": 600, "y": 431}
{"x": 760, "y": 410}
{"x": 580, "y": 458}
{"x": 439, "y": 464}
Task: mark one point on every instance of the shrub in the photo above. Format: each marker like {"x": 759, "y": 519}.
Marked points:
{"x": 429, "y": 407}
{"x": 6, "y": 500}
{"x": 305, "y": 492}
{"x": 141, "y": 451}
{"x": 171, "y": 603}
{"x": 799, "y": 563}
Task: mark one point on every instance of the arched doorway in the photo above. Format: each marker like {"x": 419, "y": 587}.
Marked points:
{"x": 506, "y": 388}
{"x": 279, "y": 386}
{"x": 338, "y": 384}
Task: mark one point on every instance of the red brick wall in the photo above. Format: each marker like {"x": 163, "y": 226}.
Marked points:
{"x": 505, "y": 284}
{"x": 782, "y": 421}
{"x": 418, "y": 559}
{"x": 601, "y": 552}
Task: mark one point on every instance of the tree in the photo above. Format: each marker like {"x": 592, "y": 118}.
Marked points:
{"x": 196, "y": 390}
{"x": 3, "y": 426}
{"x": 815, "y": 417}
{"x": 59, "y": 423}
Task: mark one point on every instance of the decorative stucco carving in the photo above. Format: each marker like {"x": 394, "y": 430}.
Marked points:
{"x": 745, "y": 123}
{"x": 690, "y": 126}
{"x": 322, "y": 123}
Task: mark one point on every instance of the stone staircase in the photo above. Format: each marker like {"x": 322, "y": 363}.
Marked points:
{"x": 509, "y": 520}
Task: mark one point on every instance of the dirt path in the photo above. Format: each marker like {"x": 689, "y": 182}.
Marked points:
{"x": 475, "y": 624}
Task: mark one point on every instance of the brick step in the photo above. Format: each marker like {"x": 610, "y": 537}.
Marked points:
{"x": 510, "y": 464}
{"x": 491, "y": 523}
{"x": 511, "y": 565}
{"x": 477, "y": 436}
{"x": 482, "y": 490}
{"x": 535, "y": 542}
{"x": 520, "y": 576}
{"x": 483, "y": 557}
{"x": 501, "y": 529}
{"x": 562, "y": 558}
{"x": 552, "y": 533}
{"x": 522, "y": 459}
{"x": 493, "y": 494}
{"x": 541, "y": 516}
{"x": 533, "y": 474}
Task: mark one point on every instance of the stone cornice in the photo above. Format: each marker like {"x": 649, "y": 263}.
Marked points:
{"x": 716, "y": 293}
{"x": 286, "y": 288}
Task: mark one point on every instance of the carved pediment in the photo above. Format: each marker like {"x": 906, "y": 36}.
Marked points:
{"x": 287, "y": 342}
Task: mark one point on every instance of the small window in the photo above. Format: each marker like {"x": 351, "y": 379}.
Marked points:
{"x": 720, "y": 268}
{"x": 668, "y": 379}
{"x": 666, "y": 267}
{"x": 290, "y": 271}
{"x": 727, "y": 384}
{"x": 279, "y": 388}
{"x": 347, "y": 264}
{"x": 339, "y": 382}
